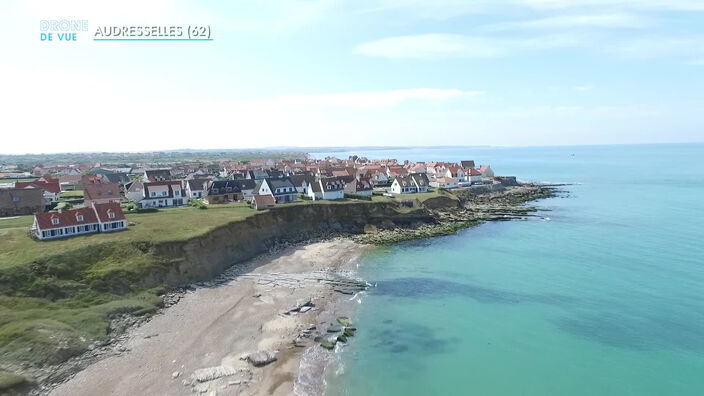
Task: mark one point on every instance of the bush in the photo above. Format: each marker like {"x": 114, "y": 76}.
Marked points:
{"x": 130, "y": 207}
{"x": 197, "y": 203}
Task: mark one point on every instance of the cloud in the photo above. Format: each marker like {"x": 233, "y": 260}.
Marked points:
{"x": 655, "y": 46}
{"x": 576, "y": 21}
{"x": 676, "y": 5}
{"x": 380, "y": 99}
{"x": 431, "y": 46}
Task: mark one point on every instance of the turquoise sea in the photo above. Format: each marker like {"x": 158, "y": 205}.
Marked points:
{"x": 602, "y": 296}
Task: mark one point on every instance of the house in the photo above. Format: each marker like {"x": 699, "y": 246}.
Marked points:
{"x": 157, "y": 175}
{"x": 486, "y": 171}
{"x": 359, "y": 187}
{"x": 455, "y": 172}
{"x": 474, "y": 176}
{"x": 51, "y": 189}
{"x": 156, "y": 194}
{"x": 195, "y": 188}
{"x": 257, "y": 174}
{"x": 107, "y": 217}
{"x": 330, "y": 188}
{"x": 223, "y": 191}
{"x": 445, "y": 182}
{"x": 20, "y": 201}
{"x": 378, "y": 178}
{"x": 261, "y": 202}
{"x": 467, "y": 164}
{"x": 246, "y": 187}
{"x": 301, "y": 182}
{"x": 101, "y": 193}
{"x": 120, "y": 177}
{"x": 282, "y": 189}
{"x": 413, "y": 183}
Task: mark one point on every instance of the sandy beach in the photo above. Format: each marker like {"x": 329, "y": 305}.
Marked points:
{"x": 200, "y": 344}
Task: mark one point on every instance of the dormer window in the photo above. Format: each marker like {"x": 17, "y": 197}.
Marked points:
{"x": 79, "y": 218}
{"x": 111, "y": 214}
{"x": 54, "y": 220}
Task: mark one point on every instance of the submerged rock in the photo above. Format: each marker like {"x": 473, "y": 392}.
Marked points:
{"x": 328, "y": 343}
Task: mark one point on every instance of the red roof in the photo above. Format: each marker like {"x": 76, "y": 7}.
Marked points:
{"x": 90, "y": 215}
{"x": 53, "y": 187}
{"x": 102, "y": 191}
{"x": 103, "y": 209}
{"x": 66, "y": 218}
{"x": 264, "y": 200}
{"x": 474, "y": 172}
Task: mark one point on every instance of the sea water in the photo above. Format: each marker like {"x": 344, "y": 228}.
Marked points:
{"x": 601, "y": 294}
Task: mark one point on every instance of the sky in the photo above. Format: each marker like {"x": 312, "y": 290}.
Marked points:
{"x": 354, "y": 73}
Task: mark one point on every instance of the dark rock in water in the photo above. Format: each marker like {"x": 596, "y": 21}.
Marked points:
{"x": 342, "y": 338}
{"x": 262, "y": 358}
{"x": 343, "y": 320}
{"x": 334, "y": 329}
{"x": 349, "y": 332}
{"x": 345, "y": 291}
{"x": 328, "y": 344}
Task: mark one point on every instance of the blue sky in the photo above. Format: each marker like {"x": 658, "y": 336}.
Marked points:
{"x": 333, "y": 73}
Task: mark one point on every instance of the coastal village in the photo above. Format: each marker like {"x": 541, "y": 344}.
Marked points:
{"x": 76, "y": 199}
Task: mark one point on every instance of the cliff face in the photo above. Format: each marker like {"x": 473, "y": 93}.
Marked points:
{"x": 206, "y": 256}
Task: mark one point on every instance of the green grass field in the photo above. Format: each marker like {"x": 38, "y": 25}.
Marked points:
{"x": 71, "y": 194}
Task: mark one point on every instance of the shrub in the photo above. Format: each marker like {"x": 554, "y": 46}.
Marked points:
{"x": 197, "y": 203}
{"x": 356, "y": 196}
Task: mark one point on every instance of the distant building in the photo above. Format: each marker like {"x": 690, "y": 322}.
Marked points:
{"x": 196, "y": 188}
{"x": 360, "y": 186}
{"x": 223, "y": 191}
{"x": 101, "y": 193}
{"x": 18, "y": 201}
{"x": 51, "y": 189}
{"x": 413, "y": 183}
{"x": 96, "y": 218}
{"x": 156, "y": 194}
{"x": 261, "y": 202}
{"x": 157, "y": 175}
{"x": 486, "y": 171}
{"x": 445, "y": 182}
{"x": 329, "y": 188}
{"x": 474, "y": 176}
{"x": 282, "y": 189}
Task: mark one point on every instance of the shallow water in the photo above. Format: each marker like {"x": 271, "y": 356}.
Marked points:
{"x": 603, "y": 295}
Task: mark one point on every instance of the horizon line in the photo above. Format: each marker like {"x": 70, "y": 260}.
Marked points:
{"x": 320, "y": 149}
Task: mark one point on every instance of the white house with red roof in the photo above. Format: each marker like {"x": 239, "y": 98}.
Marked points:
{"x": 107, "y": 217}
{"x": 51, "y": 188}
{"x": 474, "y": 176}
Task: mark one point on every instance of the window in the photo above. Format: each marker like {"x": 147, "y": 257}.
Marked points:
{"x": 54, "y": 221}
{"x": 15, "y": 199}
{"x": 177, "y": 193}
{"x": 111, "y": 214}
{"x": 153, "y": 194}
{"x": 163, "y": 193}
{"x": 79, "y": 218}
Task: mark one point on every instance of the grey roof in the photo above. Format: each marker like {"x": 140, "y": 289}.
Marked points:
{"x": 245, "y": 184}
{"x": 121, "y": 178}
{"x": 17, "y": 198}
{"x": 298, "y": 179}
{"x": 282, "y": 182}
{"x": 221, "y": 186}
{"x": 197, "y": 184}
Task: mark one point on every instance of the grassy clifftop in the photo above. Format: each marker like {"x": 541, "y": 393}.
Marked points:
{"x": 57, "y": 297}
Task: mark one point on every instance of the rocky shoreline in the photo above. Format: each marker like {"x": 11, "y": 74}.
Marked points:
{"x": 468, "y": 211}
{"x": 449, "y": 216}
